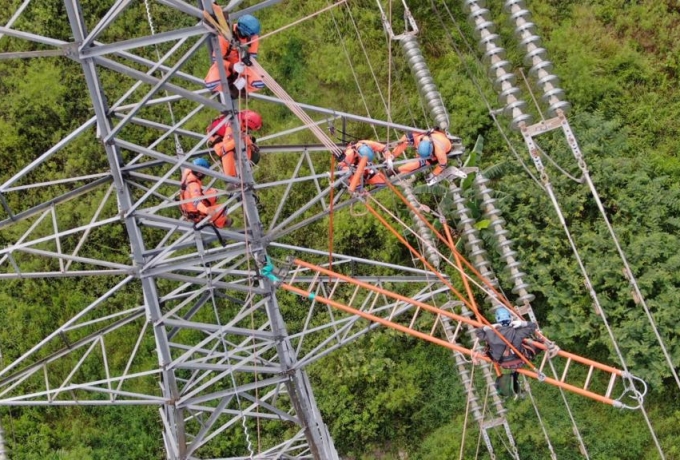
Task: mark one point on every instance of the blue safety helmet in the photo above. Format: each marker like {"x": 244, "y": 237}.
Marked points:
{"x": 425, "y": 148}
{"x": 248, "y": 25}
{"x": 503, "y": 316}
{"x": 202, "y": 162}
{"x": 366, "y": 151}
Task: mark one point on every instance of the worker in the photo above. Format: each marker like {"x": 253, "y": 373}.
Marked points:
{"x": 222, "y": 140}
{"x": 196, "y": 204}
{"x": 237, "y": 58}
{"x": 433, "y": 147}
{"x": 516, "y": 332}
{"x": 364, "y": 148}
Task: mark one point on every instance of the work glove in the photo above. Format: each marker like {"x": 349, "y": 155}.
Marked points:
{"x": 390, "y": 164}
{"x": 246, "y": 59}
{"x": 487, "y": 328}
{"x": 517, "y": 323}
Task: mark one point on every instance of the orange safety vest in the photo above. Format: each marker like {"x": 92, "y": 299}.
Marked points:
{"x": 186, "y": 192}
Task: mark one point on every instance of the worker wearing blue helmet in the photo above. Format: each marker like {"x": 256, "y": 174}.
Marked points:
{"x": 237, "y": 56}
{"x": 366, "y": 149}
{"x": 197, "y": 204}
{"x": 433, "y": 148}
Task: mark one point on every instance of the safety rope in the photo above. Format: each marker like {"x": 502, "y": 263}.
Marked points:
{"x": 449, "y": 285}
{"x": 527, "y": 388}
{"x": 467, "y": 411}
{"x": 593, "y": 295}
{"x": 354, "y": 73}
{"x": 294, "y": 23}
{"x": 628, "y": 272}
{"x": 296, "y": 109}
{"x": 209, "y": 278}
{"x": 368, "y": 59}
{"x": 178, "y": 145}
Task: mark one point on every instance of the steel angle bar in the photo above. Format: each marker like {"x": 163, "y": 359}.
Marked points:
{"x": 85, "y": 260}
{"x": 70, "y": 274}
{"x": 54, "y": 182}
{"x": 240, "y": 389}
{"x": 34, "y": 367}
{"x": 360, "y": 260}
{"x": 250, "y": 9}
{"x": 215, "y": 284}
{"x": 183, "y": 7}
{"x": 77, "y": 317}
{"x": 83, "y": 402}
{"x": 45, "y": 156}
{"x": 156, "y": 65}
{"x": 113, "y": 12}
{"x": 295, "y": 180}
{"x": 174, "y": 161}
{"x": 161, "y": 83}
{"x": 16, "y": 15}
{"x": 294, "y": 148}
{"x": 212, "y": 328}
{"x": 217, "y": 367}
{"x": 138, "y": 75}
{"x": 32, "y": 54}
{"x": 141, "y": 42}
{"x": 31, "y": 37}
{"x": 195, "y": 263}
{"x": 54, "y": 201}
{"x": 338, "y": 114}
{"x": 25, "y": 244}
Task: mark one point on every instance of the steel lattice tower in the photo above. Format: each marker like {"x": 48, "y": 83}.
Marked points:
{"x": 226, "y": 359}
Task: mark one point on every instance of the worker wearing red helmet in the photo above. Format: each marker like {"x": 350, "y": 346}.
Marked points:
{"x": 432, "y": 147}
{"x": 364, "y": 148}
{"x": 237, "y": 63}
{"x": 196, "y": 204}
{"x": 222, "y": 140}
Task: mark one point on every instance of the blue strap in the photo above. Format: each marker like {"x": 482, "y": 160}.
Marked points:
{"x": 268, "y": 271}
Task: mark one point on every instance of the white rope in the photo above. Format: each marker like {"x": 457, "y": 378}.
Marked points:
{"x": 527, "y": 388}
{"x": 638, "y": 298}
{"x": 368, "y": 59}
{"x": 178, "y": 146}
{"x": 593, "y": 295}
{"x": 354, "y": 74}
{"x": 242, "y": 415}
{"x": 297, "y": 110}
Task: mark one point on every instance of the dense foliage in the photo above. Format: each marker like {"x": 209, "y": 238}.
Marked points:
{"x": 388, "y": 396}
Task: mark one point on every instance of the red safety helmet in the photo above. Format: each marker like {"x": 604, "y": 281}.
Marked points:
{"x": 251, "y": 120}
{"x": 222, "y": 130}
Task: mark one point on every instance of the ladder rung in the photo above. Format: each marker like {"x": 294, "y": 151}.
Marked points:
{"x": 566, "y": 368}
{"x": 415, "y": 316}
{"x": 610, "y": 387}
{"x": 590, "y": 374}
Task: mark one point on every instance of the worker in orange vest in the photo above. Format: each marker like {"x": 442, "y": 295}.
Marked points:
{"x": 237, "y": 64}
{"x": 368, "y": 149}
{"x": 432, "y": 147}
{"x": 222, "y": 140}
{"x": 195, "y": 204}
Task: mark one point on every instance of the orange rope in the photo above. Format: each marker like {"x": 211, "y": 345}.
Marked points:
{"x": 484, "y": 280}
{"x": 330, "y": 215}
{"x": 422, "y": 258}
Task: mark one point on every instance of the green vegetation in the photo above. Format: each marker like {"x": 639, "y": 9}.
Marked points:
{"x": 387, "y": 394}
